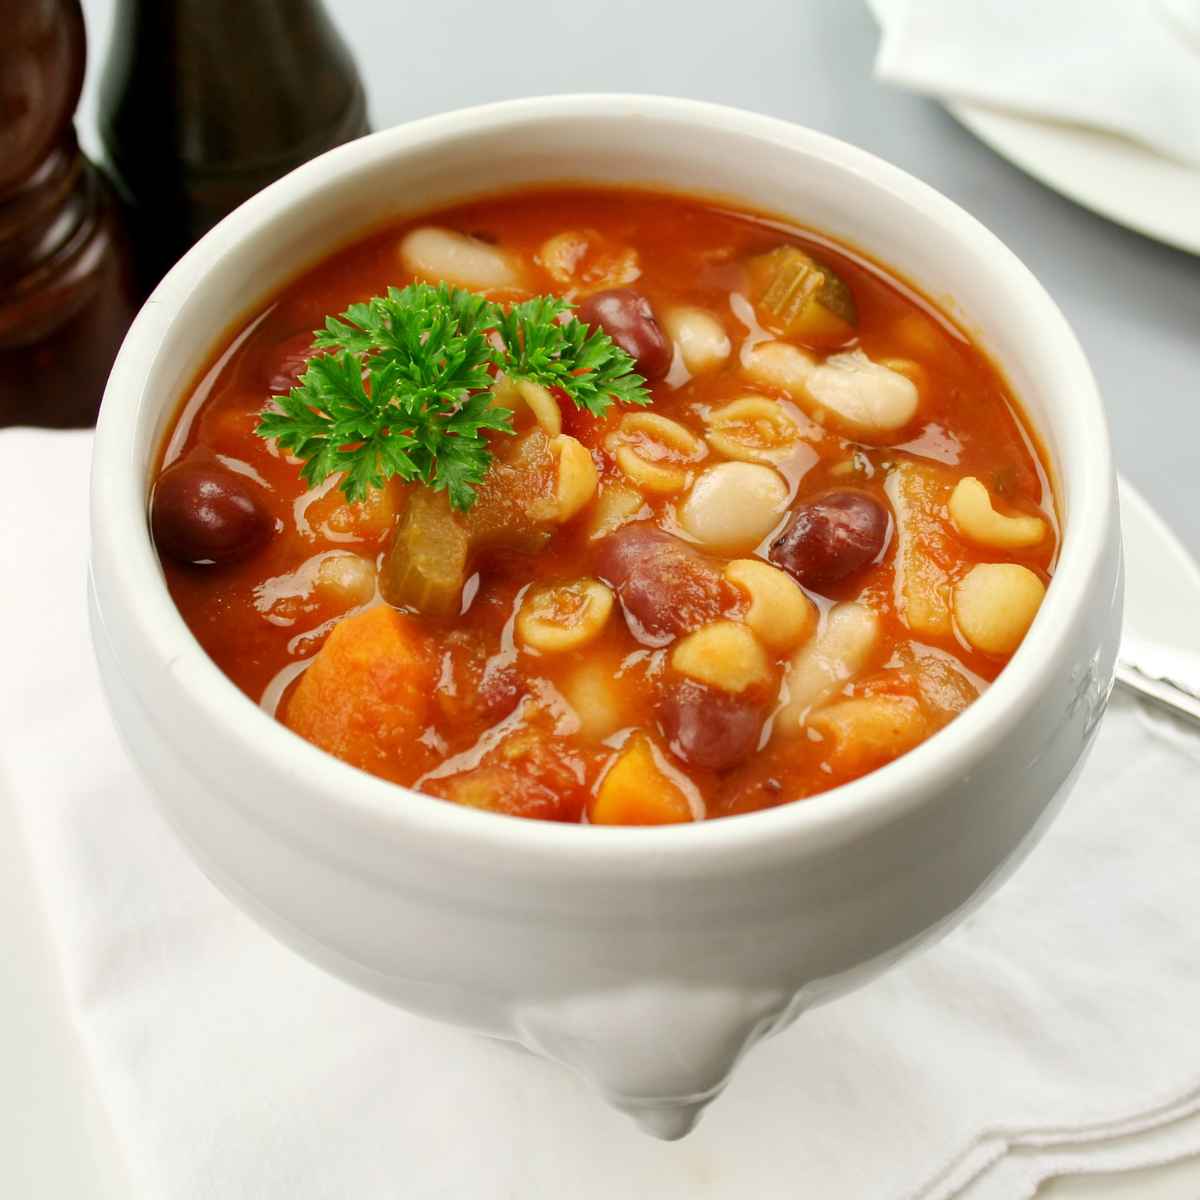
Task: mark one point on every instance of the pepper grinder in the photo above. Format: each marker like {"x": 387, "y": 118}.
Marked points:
{"x": 204, "y": 102}
{"x": 67, "y": 287}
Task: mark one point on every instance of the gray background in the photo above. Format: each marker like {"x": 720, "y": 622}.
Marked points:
{"x": 1135, "y": 304}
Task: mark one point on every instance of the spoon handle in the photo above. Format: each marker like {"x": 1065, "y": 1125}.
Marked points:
{"x": 1158, "y": 686}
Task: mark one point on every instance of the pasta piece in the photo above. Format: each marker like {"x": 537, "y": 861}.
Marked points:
{"x": 564, "y": 617}
{"x": 753, "y": 429}
{"x": 995, "y": 605}
{"x": 977, "y": 520}
{"x": 779, "y": 614}
{"x": 616, "y": 505}
{"x": 576, "y": 478}
{"x": 525, "y": 394}
{"x": 724, "y": 655}
{"x": 654, "y": 452}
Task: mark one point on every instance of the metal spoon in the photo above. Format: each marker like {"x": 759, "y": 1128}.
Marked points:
{"x": 1165, "y": 676}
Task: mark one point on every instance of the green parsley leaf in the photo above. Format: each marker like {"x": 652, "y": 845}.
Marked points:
{"x": 585, "y": 363}
{"x": 400, "y": 386}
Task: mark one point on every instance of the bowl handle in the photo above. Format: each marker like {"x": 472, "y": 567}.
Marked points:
{"x": 656, "y": 1052}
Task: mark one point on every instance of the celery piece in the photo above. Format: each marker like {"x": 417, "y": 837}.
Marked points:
{"x": 801, "y": 297}
{"x": 425, "y": 567}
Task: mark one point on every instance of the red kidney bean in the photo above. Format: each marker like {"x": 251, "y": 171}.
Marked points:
{"x": 707, "y": 727}
{"x": 830, "y": 537}
{"x": 627, "y": 318}
{"x": 205, "y": 513}
{"x": 291, "y": 362}
{"x": 664, "y": 586}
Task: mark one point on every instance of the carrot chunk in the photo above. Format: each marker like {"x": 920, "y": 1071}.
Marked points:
{"x": 366, "y": 696}
{"x": 639, "y": 790}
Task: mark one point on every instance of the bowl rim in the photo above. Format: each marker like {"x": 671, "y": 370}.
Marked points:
{"x": 119, "y": 523}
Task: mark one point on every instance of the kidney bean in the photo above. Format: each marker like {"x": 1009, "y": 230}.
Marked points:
{"x": 664, "y": 586}
{"x": 830, "y": 537}
{"x": 707, "y": 727}
{"x": 627, "y": 318}
{"x": 290, "y": 362}
{"x": 205, "y": 513}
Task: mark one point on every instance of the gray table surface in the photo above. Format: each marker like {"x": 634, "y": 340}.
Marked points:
{"x": 1135, "y": 304}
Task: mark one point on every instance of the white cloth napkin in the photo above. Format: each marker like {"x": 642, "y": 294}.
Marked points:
{"x": 1056, "y": 1030}
{"x": 1131, "y": 69}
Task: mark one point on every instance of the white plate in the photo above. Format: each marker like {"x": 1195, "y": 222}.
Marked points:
{"x": 1110, "y": 175}
{"x": 55, "y": 1139}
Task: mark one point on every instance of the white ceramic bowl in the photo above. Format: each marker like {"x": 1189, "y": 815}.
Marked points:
{"x": 647, "y": 959}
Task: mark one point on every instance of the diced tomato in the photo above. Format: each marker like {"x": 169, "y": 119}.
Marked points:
{"x": 581, "y": 424}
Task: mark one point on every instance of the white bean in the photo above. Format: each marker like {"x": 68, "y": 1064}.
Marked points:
{"x": 443, "y": 255}
{"x": 346, "y": 579}
{"x": 733, "y": 506}
{"x": 779, "y": 365}
{"x": 858, "y": 397}
{"x": 701, "y": 338}
{"x": 839, "y": 652}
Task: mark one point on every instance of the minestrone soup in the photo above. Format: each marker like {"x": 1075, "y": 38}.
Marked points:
{"x": 748, "y": 520}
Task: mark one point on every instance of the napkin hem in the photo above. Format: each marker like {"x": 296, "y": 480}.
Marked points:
{"x": 991, "y": 1145}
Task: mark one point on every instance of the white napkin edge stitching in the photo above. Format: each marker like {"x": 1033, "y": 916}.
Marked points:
{"x": 996, "y": 1142}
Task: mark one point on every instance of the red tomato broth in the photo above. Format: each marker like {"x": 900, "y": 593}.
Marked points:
{"x": 481, "y": 743}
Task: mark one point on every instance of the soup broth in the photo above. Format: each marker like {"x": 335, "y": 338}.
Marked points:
{"x": 819, "y": 543}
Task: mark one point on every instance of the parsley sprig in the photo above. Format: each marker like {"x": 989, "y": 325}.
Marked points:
{"x": 400, "y": 386}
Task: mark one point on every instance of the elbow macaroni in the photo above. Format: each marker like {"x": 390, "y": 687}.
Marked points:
{"x": 564, "y": 617}
{"x": 977, "y": 520}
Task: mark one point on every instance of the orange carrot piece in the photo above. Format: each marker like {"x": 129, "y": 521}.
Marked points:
{"x": 366, "y": 696}
{"x": 637, "y": 790}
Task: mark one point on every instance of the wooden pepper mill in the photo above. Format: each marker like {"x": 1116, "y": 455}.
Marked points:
{"x": 67, "y": 288}
{"x": 204, "y": 102}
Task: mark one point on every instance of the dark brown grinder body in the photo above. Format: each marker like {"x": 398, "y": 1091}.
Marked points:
{"x": 67, "y": 288}
{"x": 205, "y": 102}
